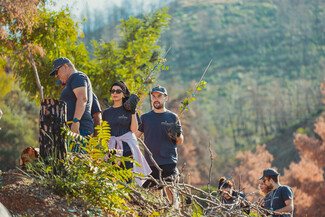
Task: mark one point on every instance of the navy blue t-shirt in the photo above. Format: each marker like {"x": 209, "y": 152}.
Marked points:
{"x": 162, "y": 147}
{"x": 235, "y": 195}
{"x": 279, "y": 196}
{"x": 119, "y": 119}
{"x": 95, "y": 106}
{"x": 78, "y": 79}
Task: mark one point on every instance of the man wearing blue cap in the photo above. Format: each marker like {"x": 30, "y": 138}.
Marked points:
{"x": 161, "y": 139}
{"x": 78, "y": 95}
{"x": 280, "y": 198}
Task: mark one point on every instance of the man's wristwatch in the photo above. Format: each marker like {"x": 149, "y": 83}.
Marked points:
{"x": 75, "y": 120}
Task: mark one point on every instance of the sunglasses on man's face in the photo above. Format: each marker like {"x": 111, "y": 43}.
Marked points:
{"x": 57, "y": 69}
{"x": 116, "y": 91}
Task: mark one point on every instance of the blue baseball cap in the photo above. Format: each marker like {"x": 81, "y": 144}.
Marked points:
{"x": 159, "y": 89}
{"x": 269, "y": 172}
{"x": 59, "y": 62}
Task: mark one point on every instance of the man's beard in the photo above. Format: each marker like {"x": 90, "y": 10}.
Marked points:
{"x": 269, "y": 188}
{"x": 158, "y": 106}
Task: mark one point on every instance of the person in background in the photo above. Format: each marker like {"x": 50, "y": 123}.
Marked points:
{"x": 263, "y": 190}
{"x": 124, "y": 124}
{"x": 229, "y": 195}
{"x": 279, "y": 199}
{"x": 78, "y": 95}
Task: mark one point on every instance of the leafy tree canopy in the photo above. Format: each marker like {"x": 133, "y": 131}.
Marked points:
{"x": 132, "y": 57}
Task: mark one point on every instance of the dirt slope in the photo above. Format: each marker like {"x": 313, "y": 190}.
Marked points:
{"x": 22, "y": 196}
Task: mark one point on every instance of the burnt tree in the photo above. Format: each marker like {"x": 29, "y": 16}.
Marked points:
{"x": 53, "y": 116}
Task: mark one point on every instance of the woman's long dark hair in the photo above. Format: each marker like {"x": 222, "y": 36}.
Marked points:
{"x": 124, "y": 88}
{"x": 227, "y": 184}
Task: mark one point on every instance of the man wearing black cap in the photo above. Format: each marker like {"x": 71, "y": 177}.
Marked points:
{"x": 78, "y": 95}
{"x": 161, "y": 139}
{"x": 280, "y": 198}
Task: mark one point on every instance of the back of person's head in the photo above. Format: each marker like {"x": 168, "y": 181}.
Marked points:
{"x": 124, "y": 88}
{"x": 225, "y": 184}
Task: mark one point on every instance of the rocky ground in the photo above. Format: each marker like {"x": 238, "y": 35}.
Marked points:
{"x": 23, "y": 196}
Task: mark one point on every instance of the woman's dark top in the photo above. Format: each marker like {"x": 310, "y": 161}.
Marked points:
{"x": 119, "y": 119}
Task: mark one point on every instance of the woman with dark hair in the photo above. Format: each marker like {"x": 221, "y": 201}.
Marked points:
{"x": 124, "y": 123}
{"x": 263, "y": 190}
{"x": 229, "y": 195}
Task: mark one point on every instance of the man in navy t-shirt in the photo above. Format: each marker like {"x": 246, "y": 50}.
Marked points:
{"x": 78, "y": 95}
{"x": 280, "y": 198}
{"x": 96, "y": 111}
{"x": 161, "y": 139}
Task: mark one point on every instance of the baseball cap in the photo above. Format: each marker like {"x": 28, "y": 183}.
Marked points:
{"x": 58, "y": 62}
{"x": 269, "y": 172}
{"x": 159, "y": 89}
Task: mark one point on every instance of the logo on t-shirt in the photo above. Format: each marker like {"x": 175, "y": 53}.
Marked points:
{"x": 122, "y": 117}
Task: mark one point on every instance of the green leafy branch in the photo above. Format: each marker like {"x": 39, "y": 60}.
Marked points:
{"x": 160, "y": 66}
{"x": 191, "y": 93}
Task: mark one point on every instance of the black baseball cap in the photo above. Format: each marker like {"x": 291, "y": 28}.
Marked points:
{"x": 269, "y": 172}
{"x": 159, "y": 89}
{"x": 59, "y": 62}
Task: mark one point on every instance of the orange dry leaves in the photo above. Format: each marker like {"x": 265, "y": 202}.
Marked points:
{"x": 18, "y": 15}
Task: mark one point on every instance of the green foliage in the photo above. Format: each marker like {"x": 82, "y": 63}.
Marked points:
{"x": 19, "y": 125}
{"x": 306, "y": 130}
{"x": 130, "y": 59}
{"x": 268, "y": 65}
{"x": 259, "y": 36}
{"x": 89, "y": 177}
{"x": 6, "y": 83}
{"x": 213, "y": 191}
{"x": 191, "y": 94}
{"x": 54, "y": 34}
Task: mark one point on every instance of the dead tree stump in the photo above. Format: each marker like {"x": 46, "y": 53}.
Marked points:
{"x": 53, "y": 116}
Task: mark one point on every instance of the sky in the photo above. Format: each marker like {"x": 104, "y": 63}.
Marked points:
{"x": 105, "y": 9}
{"x": 77, "y": 6}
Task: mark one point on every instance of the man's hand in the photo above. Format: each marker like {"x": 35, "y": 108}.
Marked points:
{"x": 131, "y": 103}
{"x": 174, "y": 131}
{"x": 75, "y": 127}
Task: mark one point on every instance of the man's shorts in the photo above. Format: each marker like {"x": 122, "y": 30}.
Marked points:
{"x": 169, "y": 170}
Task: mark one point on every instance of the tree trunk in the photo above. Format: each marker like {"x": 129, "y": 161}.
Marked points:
{"x": 53, "y": 116}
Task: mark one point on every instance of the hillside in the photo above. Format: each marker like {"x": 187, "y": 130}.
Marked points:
{"x": 282, "y": 146}
{"x": 268, "y": 63}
